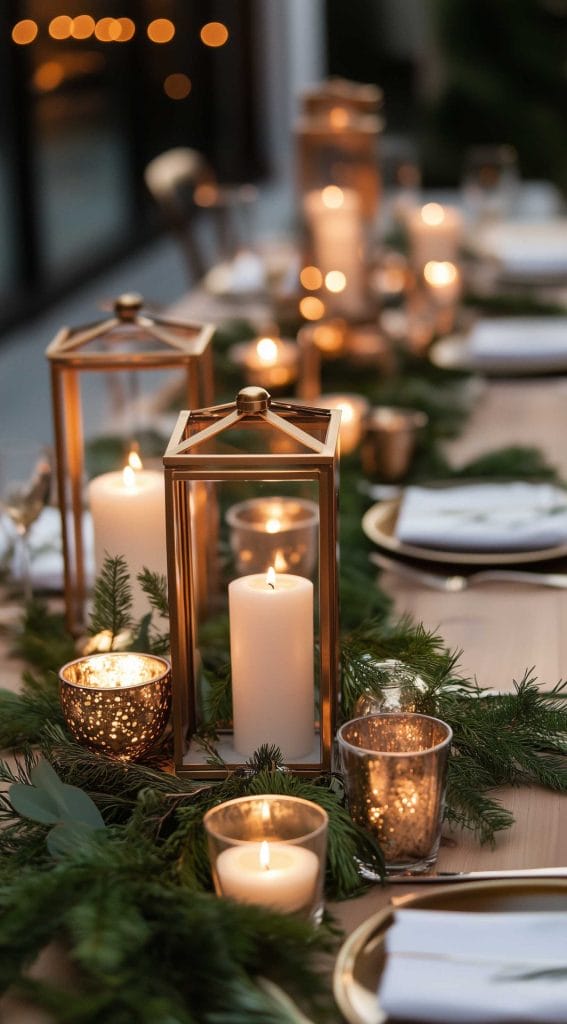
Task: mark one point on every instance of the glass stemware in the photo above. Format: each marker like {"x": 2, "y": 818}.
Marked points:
{"x": 26, "y": 471}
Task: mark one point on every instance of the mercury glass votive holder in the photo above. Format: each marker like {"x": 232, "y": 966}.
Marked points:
{"x": 389, "y": 443}
{"x": 271, "y": 851}
{"x": 395, "y": 771}
{"x": 116, "y": 703}
{"x": 278, "y": 531}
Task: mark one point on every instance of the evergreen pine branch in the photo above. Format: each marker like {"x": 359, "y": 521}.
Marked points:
{"x": 112, "y": 598}
{"x": 154, "y": 585}
{"x": 23, "y": 715}
{"x": 43, "y": 640}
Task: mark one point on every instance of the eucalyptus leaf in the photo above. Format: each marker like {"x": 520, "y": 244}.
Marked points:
{"x": 73, "y": 804}
{"x": 34, "y": 803}
{"x": 64, "y": 839}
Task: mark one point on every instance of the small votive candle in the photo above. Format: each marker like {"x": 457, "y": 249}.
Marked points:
{"x": 435, "y": 233}
{"x": 269, "y": 850}
{"x": 116, "y": 703}
{"x": 353, "y": 409}
{"x": 267, "y": 362}
{"x": 274, "y": 531}
{"x": 443, "y": 281}
{"x": 395, "y": 771}
{"x": 389, "y": 441}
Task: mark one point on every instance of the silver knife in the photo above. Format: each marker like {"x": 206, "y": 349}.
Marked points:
{"x": 472, "y": 876}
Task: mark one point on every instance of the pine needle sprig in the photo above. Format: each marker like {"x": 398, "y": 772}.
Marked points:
{"x": 112, "y": 598}
{"x": 154, "y": 586}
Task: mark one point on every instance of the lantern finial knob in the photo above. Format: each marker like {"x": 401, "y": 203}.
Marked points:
{"x": 253, "y": 399}
{"x": 128, "y": 305}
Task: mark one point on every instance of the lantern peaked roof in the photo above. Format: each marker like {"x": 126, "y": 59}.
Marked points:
{"x": 133, "y": 337}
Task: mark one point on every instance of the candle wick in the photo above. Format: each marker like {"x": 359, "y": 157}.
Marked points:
{"x": 270, "y": 584}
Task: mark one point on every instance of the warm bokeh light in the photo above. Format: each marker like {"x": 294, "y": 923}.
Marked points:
{"x": 273, "y": 525}
{"x": 267, "y": 350}
{"x": 108, "y": 30}
{"x": 206, "y": 194}
{"x": 311, "y": 278}
{"x": 61, "y": 27}
{"x": 177, "y": 86}
{"x": 24, "y": 32}
{"x": 347, "y": 412}
{"x": 129, "y": 478}
{"x": 127, "y": 30}
{"x": 134, "y": 459}
{"x": 335, "y": 281}
{"x": 332, "y": 197}
{"x": 311, "y": 308}
{"x": 214, "y": 33}
{"x": 432, "y": 214}
{"x": 440, "y": 272}
{"x": 328, "y": 337}
{"x": 338, "y": 117}
{"x": 48, "y": 76}
{"x": 83, "y": 26}
{"x": 161, "y": 30}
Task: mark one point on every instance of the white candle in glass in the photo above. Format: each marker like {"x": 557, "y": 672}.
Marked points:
{"x": 277, "y": 875}
{"x": 271, "y": 656}
{"x": 335, "y": 221}
{"x": 128, "y": 514}
{"x": 435, "y": 233}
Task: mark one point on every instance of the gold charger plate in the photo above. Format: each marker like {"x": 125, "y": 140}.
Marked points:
{"x": 361, "y": 959}
{"x": 379, "y": 525}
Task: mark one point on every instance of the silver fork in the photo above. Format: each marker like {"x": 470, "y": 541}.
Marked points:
{"x": 455, "y": 584}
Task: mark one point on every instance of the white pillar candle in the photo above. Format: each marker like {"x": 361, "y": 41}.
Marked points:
{"x": 128, "y": 514}
{"x": 335, "y": 221}
{"x": 435, "y": 233}
{"x": 271, "y": 656}
{"x": 277, "y": 875}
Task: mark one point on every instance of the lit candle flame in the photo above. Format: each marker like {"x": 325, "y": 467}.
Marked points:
{"x": 134, "y": 460}
{"x": 347, "y": 412}
{"x": 267, "y": 351}
{"x": 440, "y": 272}
{"x": 273, "y": 525}
{"x": 280, "y": 562}
{"x": 432, "y": 214}
{"x": 265, "y": 810}
{"x": 338, "y": 117}
{"x": 271, "y": 578}
{"x": 129, "y": 478}
{"x": 265, "y": 856}
{"x": 335, "y": 281}
{"x": 333, "y": 197}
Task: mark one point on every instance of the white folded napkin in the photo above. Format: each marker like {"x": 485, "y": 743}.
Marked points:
{"x": 46, "y": 550}
{"x": 484, "y": 517}
{"x": 450, "y": 967}
{"x": 539, "y": 342}
{"x": 526, "y": 249}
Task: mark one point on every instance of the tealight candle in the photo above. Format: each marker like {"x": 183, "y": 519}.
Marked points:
{"x": 128, "y": 514}
{"x": 353, "y": 408}
{"x": 435, "y": 233}
{"x": 278, "y": 531}
{"x": 269, "y": 850}
{"x": 276, "y": 875}
{"x": 271, "y": 657}
{"x": 443, "y": 280}
{"x": 267, "y": 362}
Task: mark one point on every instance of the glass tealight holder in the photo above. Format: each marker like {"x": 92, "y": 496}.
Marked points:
{"x": 116, "y": 703}
{"x": 270, "y": 850}
{"x": 278, "y": 531}
{"x": 395, "y": 771}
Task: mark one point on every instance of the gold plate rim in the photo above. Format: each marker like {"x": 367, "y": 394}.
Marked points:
{"x": 379, "y": 524}
{"x": 348, "y": 991}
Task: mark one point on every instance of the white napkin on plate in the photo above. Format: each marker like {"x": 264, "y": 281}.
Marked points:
{"x": 526, "y": 341}
{"x": 451, "y": 967}
{"x": 526, "y": 249}
{"x": 484, "y": 517}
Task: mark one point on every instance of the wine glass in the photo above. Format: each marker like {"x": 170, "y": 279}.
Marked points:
{"x": 26, "y": 471}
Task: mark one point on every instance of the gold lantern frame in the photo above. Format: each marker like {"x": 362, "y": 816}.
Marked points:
{"x": 317, "y": 461}
{"x": 176, "y": 345}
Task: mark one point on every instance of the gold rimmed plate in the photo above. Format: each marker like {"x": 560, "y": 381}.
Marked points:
{"x": 361, "y": 960}
{"x": 380, "y": 521}
{"x": 454, "y": 352}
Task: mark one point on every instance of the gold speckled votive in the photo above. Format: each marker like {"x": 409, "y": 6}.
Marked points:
{"x": 395, "y": 769}
{"x": 116, "y": 703}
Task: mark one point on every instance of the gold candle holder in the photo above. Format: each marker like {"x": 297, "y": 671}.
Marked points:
{"x": 395, "y": 769}
{"x": 270, "y": 850}
{"x": 116, "y": 703}
{"x": 390, "y": 440}
{"x": 268, "y": 362}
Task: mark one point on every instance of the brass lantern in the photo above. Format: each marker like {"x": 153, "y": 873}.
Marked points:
{"x": 255, "y": 656}
{"x": 130, "y": 340}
